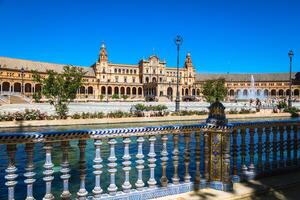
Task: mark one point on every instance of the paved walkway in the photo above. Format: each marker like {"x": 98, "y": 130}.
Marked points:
{"x": 131, "y": 120}
{"x": 283, "y": 187}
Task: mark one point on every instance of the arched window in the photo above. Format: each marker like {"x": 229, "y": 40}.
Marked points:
{"x": 140, "y": 91}
{"x": 27, "y": 87}
{"x": 147, "y": 79}
{"x": 17, "y": 87}
{"x": 122, "y": 90}
{"x": 245, "y": 92}
{"x": 134, "y": 90}
{"x": 186, "y": 92}
{"x": 280, "y": 92}
{"x": 109, "y": 90}
{"x": 231, "y": 92}
{"x": 103, "y": 90}
{"x": 6, "y": 87}
{"x": 90, "y": 90}
{"x": 82, "y": 90}
{"x": 287, "y": 92}
{"x": 169, "y": 91}
{"x": 193, "y": 92}
{"x": 273, "y": 92}
{"x": 128, "y": 90}
{"x": 116, "y": 90}
{"x": 266, "y": 92}
{"x": 296, "y": 92}
{"x": 154, "y": 80}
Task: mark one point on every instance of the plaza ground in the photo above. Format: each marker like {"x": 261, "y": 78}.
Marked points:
{"x": 282, "y": 187}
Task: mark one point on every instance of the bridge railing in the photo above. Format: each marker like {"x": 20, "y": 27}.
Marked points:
{"x": 152, "y": 161}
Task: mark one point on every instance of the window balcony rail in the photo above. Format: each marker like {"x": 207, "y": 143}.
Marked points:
{"x": 145, "y": 162}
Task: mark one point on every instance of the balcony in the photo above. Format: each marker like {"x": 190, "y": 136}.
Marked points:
{"x": 144, "y": 162}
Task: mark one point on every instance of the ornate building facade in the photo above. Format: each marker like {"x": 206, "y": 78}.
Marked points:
{"x": 149, "y": 78}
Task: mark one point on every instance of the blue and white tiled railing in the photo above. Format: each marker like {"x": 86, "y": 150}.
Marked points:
{"x": 179, "y": 152}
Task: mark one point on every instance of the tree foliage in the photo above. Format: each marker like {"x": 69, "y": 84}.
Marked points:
{"x": 60, "y": 88}
{"x": 213, "y": 89}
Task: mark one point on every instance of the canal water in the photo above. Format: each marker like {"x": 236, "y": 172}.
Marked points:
{"x": 39, "y": 159}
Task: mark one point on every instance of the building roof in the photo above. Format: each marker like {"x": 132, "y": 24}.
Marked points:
{"x": 28, "y": 65}
{"x": 246, "y": 77}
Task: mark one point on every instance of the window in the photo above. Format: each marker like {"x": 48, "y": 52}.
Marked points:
{"x": 120, "y": 71}
{"x": 103, "y": 71}
{"x": 134, "y": 71}
{"x": 117, "y": 79}
{"x": 127, "y": 71}
{"x": 125, "y": 79}
{"x": 116, "y": 70}
{"x": 133, "y": 79}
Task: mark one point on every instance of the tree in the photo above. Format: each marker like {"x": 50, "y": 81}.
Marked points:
{"x": 213, "y": 89}
{"x": 60, "y": 88}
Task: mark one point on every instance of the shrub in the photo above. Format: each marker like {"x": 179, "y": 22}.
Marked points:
{"x": 101, "y": 97}
{"x": 115, "y": 96}
{"x": 281, "y": 105}
{"x": 118, "y": 114}
{"x": 100, "y": 115}
{"x": 245, "y": 111}
{"x": 233, "y": 111}
{"x": 142, "y": 107}
{"x": 124, "y": 97}
{"x": 37, "y": 97}
{"x": 76, "y": 116}
{"x": 189, "y": 113}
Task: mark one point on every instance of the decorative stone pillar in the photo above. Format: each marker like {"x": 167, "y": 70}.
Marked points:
{"x": 235, "y": 177}
{"x": 126, "y": 163}
{"x": 97, "y": 169}
{"x": 281, "y": 147}
{"x": 11, "y": 171}
{"x": 164, "y": 159}
{"x": 187, "y": 176}
{"x": 274, "y": 149}
{"x": 175, "y": 178}
{"x": 140, "y": 164}
{"x": 251, "y": 150}
{"x": 288, "y": 145}
{"x": 267, "y": 149}
{"x": 296, "y": 144}
{"x": 259, "y": 150}
{"x": 112, "y": 188}
{"x": 65, "y": 146}
{"x": 219, "y": 148}
{"x": 82, "y": 192}
{"x": 243, "y": 152}
{"x": 29, "y": 174}
{"x": 198, "y": 158}
{"x": 152, "y": 182}
{"x": 48, "y": 172}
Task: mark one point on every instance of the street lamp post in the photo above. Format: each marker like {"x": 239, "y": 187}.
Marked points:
{"x": 22, "y": 76}
{"x": 178, "y": 42}
{"x": 291, "y": 54}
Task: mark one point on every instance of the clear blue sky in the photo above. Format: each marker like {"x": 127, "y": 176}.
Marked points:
{"x": 233, "y": 36}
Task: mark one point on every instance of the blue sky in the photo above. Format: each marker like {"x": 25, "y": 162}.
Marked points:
{"x": 234, "y": 36}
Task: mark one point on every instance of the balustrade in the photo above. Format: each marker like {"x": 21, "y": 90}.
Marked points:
{"x": 184, "y": 159}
